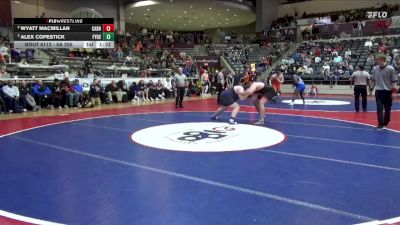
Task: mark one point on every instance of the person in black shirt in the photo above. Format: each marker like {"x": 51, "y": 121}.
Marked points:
{"x": 152, "y": 91}
{"x": 88, "y": 65}
{"x": 57, "y": 96}
{"x": 144, "y": 90}
{"x": 95, "y": 93}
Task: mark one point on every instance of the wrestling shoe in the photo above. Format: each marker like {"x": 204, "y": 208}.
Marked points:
{"x": 232, "y": 122}
{"x": 259, "y": 122}
{"x": 214, "y": 117}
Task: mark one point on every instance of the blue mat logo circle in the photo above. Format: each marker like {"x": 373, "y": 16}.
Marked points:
{"x": 207, "y": 137}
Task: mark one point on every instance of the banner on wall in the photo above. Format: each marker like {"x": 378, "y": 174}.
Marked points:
{"x": 211, "y": 61}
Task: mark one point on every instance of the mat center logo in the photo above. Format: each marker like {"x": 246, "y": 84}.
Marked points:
{"x": 207, "y": 137}
{"x": 215, "y": 134}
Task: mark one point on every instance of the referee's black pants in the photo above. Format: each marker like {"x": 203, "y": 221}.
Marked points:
{"x": 180, "y": 94}
{"x": 360, "y": 90}
{"x": 383, "y": 106}
{"x": 220, "y": 89}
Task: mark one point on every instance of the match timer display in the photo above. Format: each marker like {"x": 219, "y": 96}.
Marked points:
{"x": 64, "y": 33}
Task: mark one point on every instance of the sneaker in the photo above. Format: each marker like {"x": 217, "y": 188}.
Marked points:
{"x": 52, "y": 107}
{"x": 59, "y": 107}
{"x": 39, "y": 108}
{"x": 379, "y": 128}
{"x": 292, "y": 103}
{"x": 259, "y": 122}
{"x": 24, "y": 110}
{"x": 79, "y": 105}
{"x": 66, "y": 107}
{"x": 10, "y": 111}
{"x": 214, "y": 117}
{"x": 232, "y": 122}
{"x": 151, "y": 99}
{"x": 157, "y": 99}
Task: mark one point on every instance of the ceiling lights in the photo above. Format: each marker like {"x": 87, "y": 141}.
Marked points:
{"x": 145, "y": 3}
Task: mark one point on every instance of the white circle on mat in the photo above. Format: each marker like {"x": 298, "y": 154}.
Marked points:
{"x": 207, "y": 137}
{"x": 317, "y": 102}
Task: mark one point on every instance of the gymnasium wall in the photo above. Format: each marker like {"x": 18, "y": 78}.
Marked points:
{"x": 63, "y": 8}
{"x": 318, "y": 6}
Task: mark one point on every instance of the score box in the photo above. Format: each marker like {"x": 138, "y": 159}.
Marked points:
{"x": 108, "y": 36}
{"x": 108, "y": 28}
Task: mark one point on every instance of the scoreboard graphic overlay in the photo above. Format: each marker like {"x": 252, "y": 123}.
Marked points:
{"x": 64, "y": 33}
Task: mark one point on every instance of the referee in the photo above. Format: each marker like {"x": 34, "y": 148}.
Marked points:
{"x": 180, "y": 85}
{"x": 360, "y": 78}
{"x": 383, "y": 79}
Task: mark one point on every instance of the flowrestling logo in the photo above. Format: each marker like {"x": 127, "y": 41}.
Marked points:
{"x": 377, "y": 15}
{"x": 207, "y": 137}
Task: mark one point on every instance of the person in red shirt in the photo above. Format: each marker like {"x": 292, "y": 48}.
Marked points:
{"x": 276, "y": 81}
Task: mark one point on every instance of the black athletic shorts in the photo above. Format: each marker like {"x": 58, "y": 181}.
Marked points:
{"x": 267, "y": 91}
{"x": 227, "y": 97}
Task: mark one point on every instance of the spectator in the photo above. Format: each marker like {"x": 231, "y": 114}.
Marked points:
{"x": 11, "y": 97}
{"x": 95, "y": 93}
{"x": 25, "y": 97}
{"x": 368, "y": 44}
{"x": 326, "y": 69}
{"x": 42, "y": 94}
{"x": 347, "y": 54}
{"x": 3, "y": 108}
{"x": 168, "y": 87}
{"x": 152, "y": 91}
{"x": 160, "y": 90}
{"x": 3, "y": 72}
{"x": 134, "y": 92}
{"x": 338, "y": 59}
{"x": 71, "y": 94}
{"x": 78, "y": 91}
{"x": 88, "y": 65}
{"x": 86, "y": 100}
{"x": 57, "y": 95}
{"x": 370, "y": 58}
{"x": 112, "y": 90}
{"x": 144, "y": 91}
{"x": 317, "y": 59}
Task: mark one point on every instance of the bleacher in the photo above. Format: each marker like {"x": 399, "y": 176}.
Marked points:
{"x": 359, "y": 56}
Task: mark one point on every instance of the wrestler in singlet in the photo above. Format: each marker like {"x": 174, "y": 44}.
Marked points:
{"x": 276, "y": 81}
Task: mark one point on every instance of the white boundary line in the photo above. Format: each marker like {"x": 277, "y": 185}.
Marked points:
{"x": 205, "y": 181}
{"x": 152, "y": 112}
{"x": 26, "y": 219}
{"x": 333, "y": 160}
{"x": 383, "y": 222}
